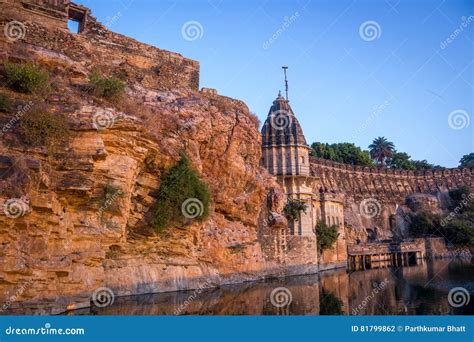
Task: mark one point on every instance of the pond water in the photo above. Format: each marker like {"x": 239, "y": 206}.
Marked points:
{"x": 414, "y": 290}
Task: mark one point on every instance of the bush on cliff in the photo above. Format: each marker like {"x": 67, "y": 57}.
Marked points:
{"x": 293, "y": 208}
{"x": 182, "y": 197}
{"x": 5, "y": 105}
{"x": 26, "y": 78}
{"x": 40, "y": 127}
{"x": 326, "y": 235}
{"x": 108, "y": 87}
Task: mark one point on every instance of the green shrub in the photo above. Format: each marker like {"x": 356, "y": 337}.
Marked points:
{"x": 39, "y": 128}
{"x": 423, "y": 223}
{"x": 293, "y": 208}
{"x": 182, "y": 196}
{"x": 108, "y": 87}
{"x": 326, "y": 235}
{"x": 5, "y": 105}
{"x": 26, "y": 78}
{"x": 459, "y": 232}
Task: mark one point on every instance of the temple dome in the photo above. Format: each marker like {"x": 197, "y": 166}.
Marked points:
{"x": 281, "y": 128}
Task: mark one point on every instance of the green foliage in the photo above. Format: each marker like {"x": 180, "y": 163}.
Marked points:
{"x": 26, "y": 78}
{"x": 460, "y": 232}
{"x": 346, "y": 153}
{"x": 293, "y": 208}
{"x": 381, "y": 149}
{"x": 401, "y": 160}
{"x": 181, "y": 183}
{"x": 329, "y": 304}
{"x": 5, "y": 105}
{"x": 326, "y": 235}
{"x": 457, "y": 228}
{"x": 39, "y": 128}
{"x": 459, "y": 194}
{"x": 108, "y": 87}
{"x": 467, "y": 160}
{"x": 424, "y": 224}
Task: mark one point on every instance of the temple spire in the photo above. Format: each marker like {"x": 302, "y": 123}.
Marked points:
{"x": 286, "y": 81}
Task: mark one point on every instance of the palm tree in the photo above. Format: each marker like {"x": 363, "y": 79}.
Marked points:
{"x": 381, "y": 149}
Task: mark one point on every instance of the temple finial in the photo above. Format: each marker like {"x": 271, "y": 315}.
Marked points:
{"x": 286, "y": 81}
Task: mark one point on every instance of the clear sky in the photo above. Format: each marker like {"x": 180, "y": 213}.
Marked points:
{"x": 357, "y": 69}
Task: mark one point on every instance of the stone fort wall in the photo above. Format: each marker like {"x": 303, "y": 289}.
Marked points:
{"x": 362, "y": 182}
{"x": 43, "y": 24}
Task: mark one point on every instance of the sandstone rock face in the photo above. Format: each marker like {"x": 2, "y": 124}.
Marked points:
{"x": 78, "y": 215}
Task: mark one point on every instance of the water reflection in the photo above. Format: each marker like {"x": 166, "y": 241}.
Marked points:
{"x": 415, "y": 290}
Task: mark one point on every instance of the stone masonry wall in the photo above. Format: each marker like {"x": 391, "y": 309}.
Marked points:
{"x": 43, "y": 25}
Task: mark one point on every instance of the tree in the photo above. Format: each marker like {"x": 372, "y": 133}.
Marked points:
{"x": 467, "y": 160}
{"x": 347, "y": 153}
{"x": 329, "y": 304}
{"x": 293, "y": 208}
{"x": 401, "y": 160}
{"x": 381, "y": 149}
{"x": 326, "y": 235}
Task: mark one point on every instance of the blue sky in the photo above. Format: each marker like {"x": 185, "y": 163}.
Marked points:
{"x": 400, "y": 78}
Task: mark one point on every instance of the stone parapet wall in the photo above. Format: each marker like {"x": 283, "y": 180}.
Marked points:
{"x": 360, "y": 182}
